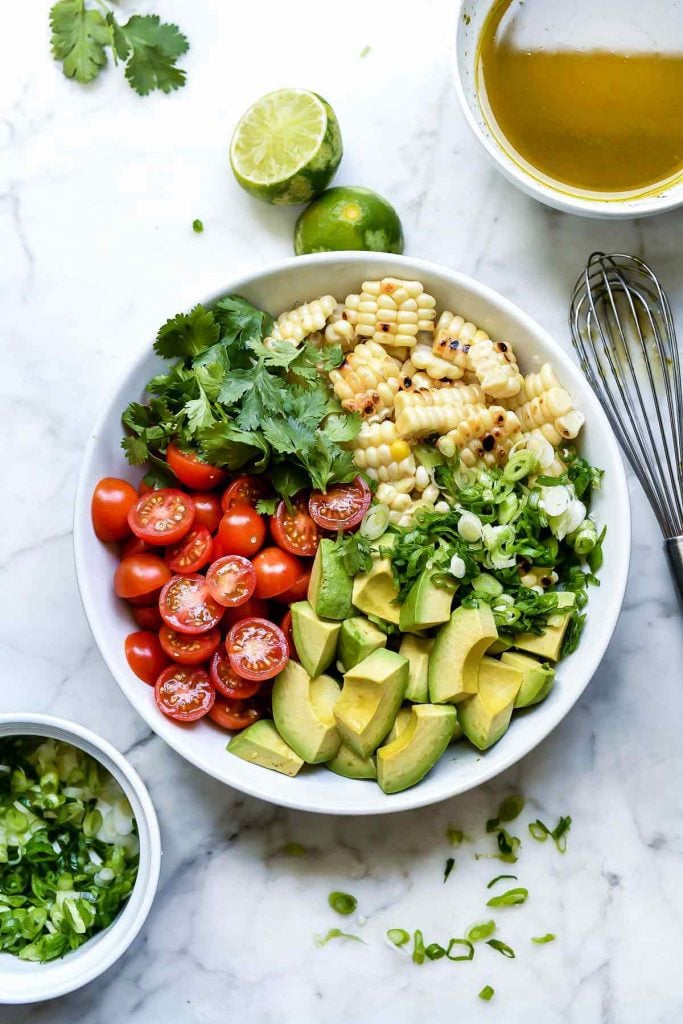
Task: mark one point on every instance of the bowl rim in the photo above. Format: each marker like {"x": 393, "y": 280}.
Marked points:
{"x": 147, "y": 879}
{"x": 609, "y": 209}
{"x": 415, "y": 797}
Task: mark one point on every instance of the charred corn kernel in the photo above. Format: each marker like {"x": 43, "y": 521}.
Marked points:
{"x": 374, "y": 448}
{"x": 534, "y": 385}
{"x": 496, "y": 367}
{"x": 423, "y": 358}
{"x": 339, "y": 330}
{"x": 367, "y": 380}
{"x": 484, "y": 434}
{"x": 391, "y": 312}
{"x": 456, "y": 395}
{"x": 421, "y": 413}
{"x": 454, "y": 339}
{"x": 296, "y": 324}
{"x": 395, "y": 499}
{"x": 538, "y": 576}
{"x": 400, "y": 450}
{"x": 553, "y": 414}
{"x": 413, "y": 379}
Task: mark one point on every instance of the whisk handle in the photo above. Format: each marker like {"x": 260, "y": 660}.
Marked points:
{"x": 674, "y": 549}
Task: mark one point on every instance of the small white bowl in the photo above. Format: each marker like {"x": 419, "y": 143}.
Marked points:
{"x": 470, "y": 20}
{"x": 25, "y": 982}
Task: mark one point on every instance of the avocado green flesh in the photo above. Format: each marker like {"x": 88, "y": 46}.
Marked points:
{"x": 401, "y": 722}
{"x": 330, "y": 586}
{"x": 549, "y": 643}
{"x": 375, "y": 592}
{"x": 371, "y": 696}
{"x": 357, "y": 639}
{"x": 537, "y": 679}
{"x": 261, "y": 744}
{"x": 407, "y": 759}
{"x": 349, "y": 764}
{"x": 458, "y": 650}
{"x": 303, "y": 709}
{"x": 418, "y": 651}
{"x": 485, "y": 717}
{"x": 426, "y": 604}
{"x": 315, "y": 639}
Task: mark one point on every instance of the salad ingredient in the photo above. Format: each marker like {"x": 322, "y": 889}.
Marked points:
{"x": 331, "y": 586}
{"x": 145, "y": 655}
{"x": 111, "y": 501}
{"x": 540, "y": 832}
{"x": 231, "y": 580}
{"x": 417, "y": 650}
{"x": 225, "y": 680}
{"x": 186, "y": 604}
{"x": 372, "y": 694}
{"x": 450, "y": 864}
{"x": 140, "y": 575}
{"x": 286, "y": 627}
{"x": 501, "y": 947}
{"x": 287, "y": 147}
{"x": 510, "y": 808}
{"x": 197, "y": 226}
{"x": 418, "y": 948}
{"x": 458, "y": 651}
{"x": 303, "y": 712}
{"x": 254, "y": 608}
{"x": 499, "y": 878}
{"x": 511, "y": 898}
{"x": 191, "y": 553}
{"x": 485, "y": 716}
{"x": 541, "y": 940}
{"x": 242, "y": 531}
{"x": 456, "y": 836}
{"x": 351, "y": 765}
{"x": 348, "y": 217}
{"x": 207, "y": 510}
{"x": 487, "y": 993}
{"x": 549, "y": 643}
{"x": 148, "y": 618}
{"x": 188, "y": 650}
{"x": 261, "y": 744}
{"x": 426, "y": 605}
{"x": 293, "y": 529}
{"x": 537, "y": 678}
{"x": 336, "y": 933}
{"x": 161, "y": 516}
{"x": 479, "y": 932}
{"x": 358, "y": 637}
{"x": 398, "y": 937}
{"x": 234, "y": 714}
{"x": 276, "y": 571}
{"x": 316, "y": 638}
{"x": 375, "y": 592}
{"x": 298, "y": 590}
{"x": 341, "y": 507}
{"x": 257, "y": 649}
{"x": 408, "y": 758}
{"x": 191, "y": 471}
{"x": 342, "y": 903}
{"x": 184, "y": 693}
{"x": 245, "y": 490}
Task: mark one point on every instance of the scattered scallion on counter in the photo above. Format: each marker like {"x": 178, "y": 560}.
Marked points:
{"x": 455, "y": 836}
{"x": 479, "y": 932}
{"x": 541, "y": 832}
{"x": 509, "y": 809}
{"x": 342, "y": 902}
{"x": 511, "y": 898}
{"x": 487, "y": 993}
{"x": 469, "y": 955}
{"x": 418, "y": 948}
{"x": 336, "y": 933}
{"x": 540, "y": 940}
{"x": 499, "y": 878}
{"x": 501, "y": 947}
{"x": 398, "y": 936}
{"x": 450, "y": 864}
{"x": 197, "y": 226}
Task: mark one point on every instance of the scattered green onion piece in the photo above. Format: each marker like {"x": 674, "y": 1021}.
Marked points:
{"x": 508, "y": 509}
{"x": 511, "y": 898}
{"x": 508, "y": 846}
{"x": 398, "y": 936}
{"x": 197, "y": 226}
{"x": 336, "y": 933}
{"x": 460, "y": 942}
{"x": 434, "y": 951}
{"x": 511, "y": 807}
{"x": 418, "y": 948}
{"x": 501, "y": 947}
{"x": 520, "y": 465}
{"x": 540, "y": 940}
{"x": 342, "y": 902}
{"x": 375, "y": 522}
{"x": 479, "y": 932}
{"x": 487, "y": 993}
{"x": 539, "y": 831}
{"x": 559, "y": 833}
{"x": 455, "y": 836}
{"x": 488, "y": 585}
{"x": 584, "y": 538}
{"x": 450, "y": 864}
{"x": 499, "y": 878}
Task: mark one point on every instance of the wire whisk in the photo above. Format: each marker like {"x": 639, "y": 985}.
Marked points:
{"x": 624, "y": 335}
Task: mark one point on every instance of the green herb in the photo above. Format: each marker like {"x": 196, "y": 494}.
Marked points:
{"x": 511, "y": 898}
{"x": 355, "y": 552}
{"x": 499, "y": 878}
{"x": 149, "y": 48}
{"x": 418, "y": 948}
{"x": 542, "y": 939}
{"x": 342, "y": 902}
{"x": 197, "y": 226}
{"x": 434, "y": 951}
{"x": 450, "y": 864}
{"x": 510, "y": 808}
{"x": 479, "y": 932}
{"x": 455, "y": 836}
{"x": 487, "y": 993}
{"x": 399, "y": 936}
{"x": 508, "y": 846}
{"x": 267, "y": 506}
{"x": 336, "y": 933}
{"x": 501, "y": 947}
{"x": 293, "y": 850}
{"x": 541, "y": 832}
{"x": 469, "y": 955}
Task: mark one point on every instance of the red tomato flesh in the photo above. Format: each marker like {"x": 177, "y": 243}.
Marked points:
{"x": 207, "y": 510}
{"x": 162, "y": 516}
{"x": 189, "y": 650}
{"x": 286, "y": 627}
{"x": 191, "y": 553}
{"x": 297, "y": 592}
{"x": 342, "y": 507}
{"x": 226, "y": 680}
{"x": 295, "y": 531}
{"x": 186, "y": 605}
{"x": 257, "y": 649}
{"x": 139, "y": 575}
{"x": 245, "y": 490}
{"x": 149, "y": 617}
{"x": 254, "y": 608}
{"x": 231, "y": 580}
{"x": 234, "y": 714}
{"x": 184, "y": 693}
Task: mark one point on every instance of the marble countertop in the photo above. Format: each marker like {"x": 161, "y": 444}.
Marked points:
{"x": 97, "y": 196}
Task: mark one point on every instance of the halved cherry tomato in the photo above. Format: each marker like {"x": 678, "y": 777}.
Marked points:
{"x": 138, "y": 575}
{"x": 276, "y": 571}
{"x": 234, "y": 714}
{"x": 245, "y": 490}
{"x": 217, "y": 549}
{"x": 295, "y": 531}
{"x": 231, "y": 580}
{"x": 191, "y": 553}
{"x": 342, "y": 507}
{"x": 254, "y": 608}
{"x": 242, "y": 530}
{"x": 226, "y": 680}
{"x": 286, "y": 627}
{"x": 135, "y": 546}
{"x": 257, "y": 649}
{"x": 149, "y": 617}
{"x": 189, "y": 650}
{"x": 145, "y": 600}
{"x": 162, "y": 517}
{"x": 111, "y": 501}
{"x": 186, "y": 604}
{"x": 145, "y": 655}
{"x": 144, "y": 487}
{"x": 207, "y": 510}
{"x": 297, "y": 592}
{"x": 184, "y": 693}
{"x": 191, "y": 471}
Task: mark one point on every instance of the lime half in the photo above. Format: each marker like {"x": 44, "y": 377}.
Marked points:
{"x": 287, "y": 147}
{"x": 348, "y": 217}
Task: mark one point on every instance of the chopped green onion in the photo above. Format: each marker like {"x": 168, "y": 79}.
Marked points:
{"x": 197, "y": 226}
{"x": 336, "y": 933}
{"x": 293, "y": 850}
{"x": 418, "y": 948}
{"x": 399, "y": 936}
{"x": 511, "y": 807}
{"x": 487, "y": 993}
{"x": 434, "y": 951}
{"x": 511, "y": 898}
{"x": 542, "y": 939}
{"x": 479, "y": 932}
{"x": 501, "y": 947}
{"x": 460, "y": 942}
{"x": 488, "y": 585}
{"x": 342, "y": 902}
{"x": 499, "y": 878}
{"x": 540, "y": 832}
{"x": 450, "y": 864}
{"x": 521, "y": 464}
{"x": 584, "y": 538}
{"x": 375, "y": 522}
{"x": 455, "y": 836}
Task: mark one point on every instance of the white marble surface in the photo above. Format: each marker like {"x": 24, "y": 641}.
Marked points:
{"x": 98, "y": 191}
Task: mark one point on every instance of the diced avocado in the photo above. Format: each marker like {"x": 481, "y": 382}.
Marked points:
{"x": 549, "y": 643}
{"x": 401, "y": 722}
{"x": 457, "y": 732}
{"x": 357, "y": 639}
{"x": 330, "y": 587}
{"x": 417, "y": 748}
{"x": 426, "y": 604}
{"x": 349, "y": 764}
{"x": 498, "y": 646}
{"x": 261, "y": 744}
{"x": 375, "y": 592}
{"x": 417, "y": 650}
{"x": 315, "y": 639}
{"x": 485, "y": 716}
{"x": 303, "y": 712}
{"x": 458, "y": 649}
{"x": 372, "y": 694}
{"x": 537, "y": 678}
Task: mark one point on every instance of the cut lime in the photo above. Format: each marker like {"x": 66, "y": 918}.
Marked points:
{"x": 287, "y": 147}
{"x": 348, "y": 217}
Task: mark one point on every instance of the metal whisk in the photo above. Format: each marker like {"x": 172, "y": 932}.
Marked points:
{"x": 624, "y": 335}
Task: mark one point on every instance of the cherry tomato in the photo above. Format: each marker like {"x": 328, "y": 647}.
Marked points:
{"x": 138, "y": 575}
{"x": 226, "y": 680}
{"x": 231, "y": 580}
{"x": 162, "y": 517}
{"x": 295, "y": 531}
{"x": 217, "y": 549}
{"x": 191, "y": 471}
{"x": 207, "y": 510}
{"x": 186, "y": 605}
{"x": 342, "y": 507}
{"x": 184, "y": 693}
{"x": 111, "y": 502}
{"x": 257, "y": 649}
{"x": 135, "y": 546}
{"x": 234, "y": 714}
{"x": 191, "y": 553}
{"x": 245, "y": 490}
{"x": 189, "y": 650}
{"x": 144, "y": 487}
{"x": 254, "y": 608}
{"x": 149, "y": 617}
{"x": 242, "y": 530}
{"x": 276, "y": 571}
{"x": 145, "y": 600}
{"x": 297, "y": 592}
{"x": 145, "y": 656}
{"x": 286, "y": 627}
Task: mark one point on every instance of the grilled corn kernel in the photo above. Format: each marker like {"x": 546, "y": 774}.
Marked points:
{"x": 421, "y": 413}
{"x": 454, "y": 339}
{"x": 538, "y": 576}
{"x": 339, "y": 330}
{"x": 423, "y": 358}
{"x": 296, "y": 324}
{"x": 496, "y": 367}
{"x": 553, "y": 413}
{"x": 400, "y": 450}
{"x": 367, "y": 380}
{"x": 395, "y": 499}
{"x": 484, "y": 434}
{"x": 374, "y": 448}
{"x": 391, "y": 312}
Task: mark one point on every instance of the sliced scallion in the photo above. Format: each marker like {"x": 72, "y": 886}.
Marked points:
{"x": 511, "y": 898}
{"x": 499, "y": 878}
{"x": 450, "y": 864}
{"x": 418, "y": 948}
{"x": 540, "y": 940}
{"x": 464, "y": 956}
{"x": 487, "y": 993}
{"x": 479, "y": 932}
{"x": 342, "y": 902}
{"x": 501, "y": 947}
{"x": 398, "y": 936}
{"x": 336, "y": 933}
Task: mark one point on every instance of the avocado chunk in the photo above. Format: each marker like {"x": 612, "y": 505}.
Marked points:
{"x": 401, "y": 722}
{"x": 458, "y": 649}
{"x": 537, "y": 678}
{"x": 349, "y": 764}
{"x": 499, "y": 645}
{"x": 357, "y": 639}
{"x": 549, "y": 643}
{"x": 375, "y": 592}
{"x": 485, "y": 716}
{"x": 417, "y": 650}
{"x": 330, "y": 586}
{"x": 426, "y": 604}
{"x": 315, "y": 639}
{"x": 303, "y": 712}
{"x": 371, "y": 696}
{"x": 417, "y": 748}
{"x": 261, "y": 744}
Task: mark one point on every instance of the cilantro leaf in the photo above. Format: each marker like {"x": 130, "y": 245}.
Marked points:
{"x": 342, "y": 428}
{"x": 199, "y": 413}
{"x": 225, "y": 445}
{"x": 187, "y": 334}
{"x": 136, "y": 450}
{"x": 151, "y": 48}
{"x": 241, "y": 322}
{"x": 79, "y": 37}
{"x": 288, "y": 478}
{"x": 237, "y": 384}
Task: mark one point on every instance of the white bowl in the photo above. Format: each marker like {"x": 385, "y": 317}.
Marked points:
{"x": 470, "y": 21}
{"x": 25, "y": 982}
{"x": 315, "y": 789}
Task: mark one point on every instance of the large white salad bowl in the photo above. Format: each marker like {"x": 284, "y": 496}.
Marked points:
{"x": 277, "y": 288}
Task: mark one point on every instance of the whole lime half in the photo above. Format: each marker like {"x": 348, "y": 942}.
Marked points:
{"x": 348, "y": 217}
